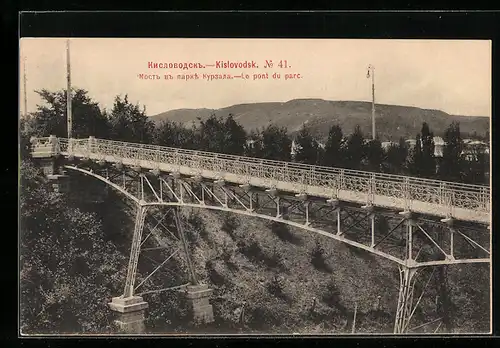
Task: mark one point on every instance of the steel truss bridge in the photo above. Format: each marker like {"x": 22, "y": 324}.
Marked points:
{"x": 416, "y": 223}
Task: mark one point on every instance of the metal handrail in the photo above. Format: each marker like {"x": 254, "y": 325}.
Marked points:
{"x": 355, "y": 180}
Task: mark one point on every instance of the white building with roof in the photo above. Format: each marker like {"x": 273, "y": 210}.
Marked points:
{"x": 438, "y": 146}
{"x": 387, "y": 144}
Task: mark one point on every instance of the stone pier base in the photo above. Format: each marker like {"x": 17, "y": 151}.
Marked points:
{"x": 60, "y": 183}
{"x": 197, "y": 297}
{"x": 130, "y": 314}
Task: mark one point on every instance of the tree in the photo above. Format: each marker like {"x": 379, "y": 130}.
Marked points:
{"x": 355, "y": 150}
{"x": 212, "y": 134}
{"x": 308, "y": 147}
{"x": 218, "y": 135}
{"x": 235, "y": 137}
{"x": 173, "y": 134}
{"x": 253, "y": 146}
{"x": 68, "y": 271}
{"x": 271, "y": 143}
{"x": 396, "y": 156}
{"x": 403, "y": 154}
{"x": 451, "y": 167}
{"x": 129, "y": 123}
{"x": 374, "y": 155}
{"x": 334, "y": 148}
{"x": 276, "y": 143}
{"x": 428, "y": 165}
{"x": 50, "y": 118}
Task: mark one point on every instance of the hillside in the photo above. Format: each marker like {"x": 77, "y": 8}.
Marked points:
{"x": 267, "y": 269}
{"x": 393, "y": 121}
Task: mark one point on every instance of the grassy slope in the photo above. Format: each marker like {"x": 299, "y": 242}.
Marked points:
{"x": 243, "y": 278}
{"x": 393, "y": 121}
{"x": 356, "y": 277}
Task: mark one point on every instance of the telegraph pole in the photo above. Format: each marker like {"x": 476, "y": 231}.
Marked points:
{"x": 371, "y": 72}
{"x": 68, "y": 92}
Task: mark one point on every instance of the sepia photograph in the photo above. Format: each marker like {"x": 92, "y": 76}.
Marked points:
{"x": 184, "y": 186}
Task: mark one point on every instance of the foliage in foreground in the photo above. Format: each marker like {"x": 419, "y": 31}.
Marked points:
{"x": 68, "y": 270}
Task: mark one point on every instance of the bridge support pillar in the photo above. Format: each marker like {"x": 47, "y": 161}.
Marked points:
{"x": 130, "y": 313}
{"x": 60, "y": 183}
{"x": 198, "y": 297}
{"x": 52, "y": 171}
{"x": 48, "y": 165}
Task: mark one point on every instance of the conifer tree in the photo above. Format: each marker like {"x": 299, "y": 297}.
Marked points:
{"x": 428, "y": 165}
{"x": 374, "y": 155}
{"x": 452, "y": 164}
{"x": 308, "y": 147}
{"x": 355, "y": 149}
{"x": 272, "y": 143}
{"x": 403, "y": 149}
{"x": 334, "y": 148}
{"x": 235, "y": 137}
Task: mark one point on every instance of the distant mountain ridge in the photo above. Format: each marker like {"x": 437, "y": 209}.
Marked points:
{"x": 392, "y": 121}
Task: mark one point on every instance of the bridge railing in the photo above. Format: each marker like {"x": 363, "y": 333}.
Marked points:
{"x": 475, "y": 197}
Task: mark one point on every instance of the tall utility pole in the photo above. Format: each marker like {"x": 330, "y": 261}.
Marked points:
{"x": 371, "y": 72}
{"x": 68, "y": 92}
{"x": 25, "y": 91}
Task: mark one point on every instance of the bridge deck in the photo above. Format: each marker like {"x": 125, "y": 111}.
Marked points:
{"x": 438, "y": 198}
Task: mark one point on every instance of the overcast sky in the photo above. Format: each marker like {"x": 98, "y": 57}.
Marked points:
{"x": 453, "y": 76}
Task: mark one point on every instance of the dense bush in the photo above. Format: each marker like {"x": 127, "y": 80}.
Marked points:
{"x": 230, "y": 224}
{"x": 318, "y": 258}
{"x": 282, "y": 231}
{"x": 68, "y": 270}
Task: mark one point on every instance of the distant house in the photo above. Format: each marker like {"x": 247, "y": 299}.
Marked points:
{"x": 411, "y": 143}
{"x": 477, "y": 143}
{"x": 296, "y": 147}
{"x": 438, "y": 147}
{"x": 387, "y": 144}
{"x": 470, "y": 147}
{"x": 250, "y": 143}
{"x": 473, "y": 147}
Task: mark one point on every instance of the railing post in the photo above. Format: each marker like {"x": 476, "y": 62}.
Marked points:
{"x": 442, "y": 193}
{"x": 371, "y": 196}
{"x": 407, "y": 194}
{"x": 70, "y": 146}
{"x": 485, "y": 199}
